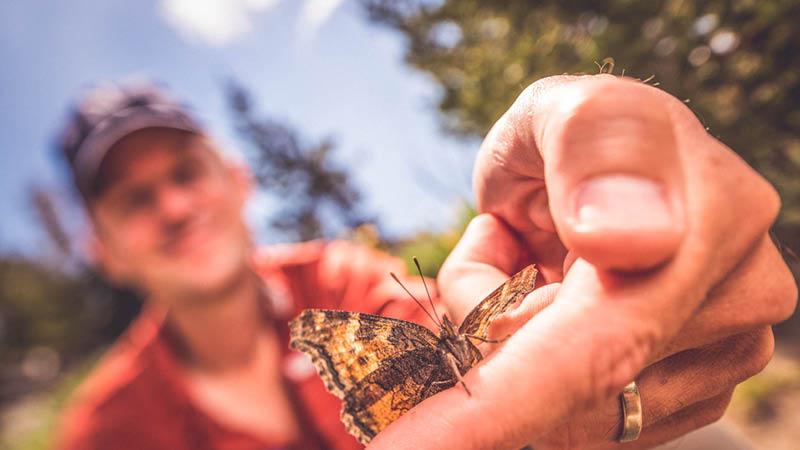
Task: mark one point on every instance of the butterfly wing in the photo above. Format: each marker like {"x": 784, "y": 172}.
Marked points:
{"x": 478, "y": 320}
{"x": 380, "y": 367}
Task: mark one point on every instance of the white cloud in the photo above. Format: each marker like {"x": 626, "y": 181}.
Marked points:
{"x": 314, "y": 15}
{"x": 215, "y": 22}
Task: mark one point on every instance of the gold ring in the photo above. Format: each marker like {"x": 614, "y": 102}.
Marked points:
{"x": 631, "y": 413}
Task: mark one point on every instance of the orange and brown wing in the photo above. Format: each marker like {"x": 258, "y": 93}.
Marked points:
{"x": 379, "y": 367}
{"x": 499, "y": 301}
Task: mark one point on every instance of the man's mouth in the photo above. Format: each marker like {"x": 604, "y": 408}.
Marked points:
{"x": 188, "y": 237}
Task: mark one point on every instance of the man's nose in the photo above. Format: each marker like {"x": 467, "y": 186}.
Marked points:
{"x": 174, "y": 203}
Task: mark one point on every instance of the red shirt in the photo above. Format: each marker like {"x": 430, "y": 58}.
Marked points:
{"x": 137, "y": 398}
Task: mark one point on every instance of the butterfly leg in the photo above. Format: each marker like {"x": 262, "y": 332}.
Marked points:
{"x": 491, "y": 341}
{"x": 454, "y": 366}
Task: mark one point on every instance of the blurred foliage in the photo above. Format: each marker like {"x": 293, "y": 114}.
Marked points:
{"x": 430, "y": 248}
{"x": 37, "y": 417}
{"x": 50, "y": 319}
{"x": 53, "y": 313}
{"x": 755, "y": 397}
{"x": 736, "y": 63}
{"x": 317, "y": 197}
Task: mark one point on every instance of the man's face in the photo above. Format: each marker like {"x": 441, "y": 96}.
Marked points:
{"x": 169, "y": 217}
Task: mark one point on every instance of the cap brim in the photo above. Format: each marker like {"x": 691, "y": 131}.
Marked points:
{"x": 94, "y": 149}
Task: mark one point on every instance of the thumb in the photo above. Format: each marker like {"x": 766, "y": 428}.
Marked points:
{"x": 613, "y": 173}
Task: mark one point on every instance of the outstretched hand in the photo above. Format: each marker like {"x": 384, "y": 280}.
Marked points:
{"x": 651, "y": 237}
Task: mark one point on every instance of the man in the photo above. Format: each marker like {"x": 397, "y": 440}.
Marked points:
{"x": 206, "y": 365}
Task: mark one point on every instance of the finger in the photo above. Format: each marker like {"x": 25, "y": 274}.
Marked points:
{"x": 676, "y": 381}
{"x": 626, "y": 167}
{"x": 686, "y": 420}
{"x": 759, "y": 292}
{"x": 669, "y": 387}
{"x": 485, "y": 257}
{"x": 614, "y": 177}
{"x": 508, "y": 323}
{"x": 724, "y": 319}
{"x": 668, "y": 429}
{"x": 699, "y": 374}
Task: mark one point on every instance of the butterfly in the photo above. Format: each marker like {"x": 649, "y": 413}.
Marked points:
{"x": 382, "y": 367}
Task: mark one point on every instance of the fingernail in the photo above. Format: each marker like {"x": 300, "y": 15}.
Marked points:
{"x": 622, "y": 202}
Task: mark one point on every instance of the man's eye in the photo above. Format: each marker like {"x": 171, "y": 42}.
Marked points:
{"x": 138, "y": 199}
{"x": 185, "y": 174}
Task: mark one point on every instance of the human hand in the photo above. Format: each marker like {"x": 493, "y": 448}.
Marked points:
{"x": 652, "y": 240}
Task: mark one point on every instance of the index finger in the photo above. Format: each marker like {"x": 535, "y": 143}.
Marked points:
{"x": 487, "y": 255}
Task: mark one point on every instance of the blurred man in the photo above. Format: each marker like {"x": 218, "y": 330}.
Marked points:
{"x": 206, "y": 365}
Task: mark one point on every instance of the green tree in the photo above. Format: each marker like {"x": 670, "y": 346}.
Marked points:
{"x": 317, "y": 197}
{"x": 735, "y": 62}
{"x": 51, "y": 320}
{"x": 431, "y": 248}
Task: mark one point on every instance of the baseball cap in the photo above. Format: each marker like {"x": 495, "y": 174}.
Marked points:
{"x": 107, "y": 113}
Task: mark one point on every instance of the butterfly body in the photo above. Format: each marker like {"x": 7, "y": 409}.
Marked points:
{"x": 382, "y": 367}
{"x": 464, "y": 353}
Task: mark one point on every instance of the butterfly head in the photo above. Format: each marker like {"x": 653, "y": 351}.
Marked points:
{"x": 448, "y": 328}
{"x": 458, "y": 345}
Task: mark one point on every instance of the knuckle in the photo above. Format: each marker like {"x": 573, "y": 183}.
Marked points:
{"x": 534, "y": 96}
{"x": 759, "y": 202}
{"x": 757, "y": 354}
{"x": 535, "y": 90}
{"x": 782, "y": 296}
{"x": 772, "y": 200}
{"x": 717, "y": 406}
{"x": 709, "y": 411}
{"x": 583, "y": 100}
{"x": 764, "y": 284}
{"x": 595, "y": 104}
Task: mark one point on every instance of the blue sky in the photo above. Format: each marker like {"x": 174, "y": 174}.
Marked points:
{"x": 317, "y": 65}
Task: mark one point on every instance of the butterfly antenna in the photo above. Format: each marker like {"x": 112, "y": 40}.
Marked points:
{"x": 419, "y": 269}
{"x": 412, "y": 296}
